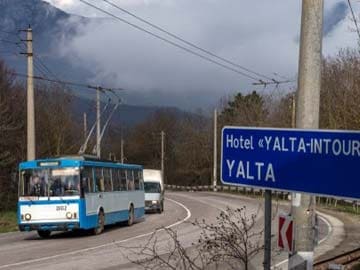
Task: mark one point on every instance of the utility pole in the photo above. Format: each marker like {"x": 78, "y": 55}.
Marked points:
{"x": 98, "y": 126}
{"x": 122, "y": 150}
{"x": 162, "y": 154}
{"x": 85, "y": 126}
{"x": 307, "y": 117}
{"x": 31, "y": 149}
{"x": 215, "y": 151}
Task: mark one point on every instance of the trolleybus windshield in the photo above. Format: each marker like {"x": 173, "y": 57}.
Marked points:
{"x": 50, "y": 182}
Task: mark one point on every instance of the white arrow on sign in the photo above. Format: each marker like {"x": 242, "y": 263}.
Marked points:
{"x": 285, "y": 233}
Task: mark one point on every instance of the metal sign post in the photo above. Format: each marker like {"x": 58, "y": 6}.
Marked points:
{"x": 267, "y": 230}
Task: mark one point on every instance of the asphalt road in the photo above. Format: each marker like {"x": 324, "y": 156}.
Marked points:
{"x": 110, "y": 250}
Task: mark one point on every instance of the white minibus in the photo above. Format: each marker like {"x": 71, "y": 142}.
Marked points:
{"x": 154, "y": 190}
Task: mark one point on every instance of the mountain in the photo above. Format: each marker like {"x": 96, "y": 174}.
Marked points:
{"x": 50, "y": 25}
{"x": 126, "y": 116}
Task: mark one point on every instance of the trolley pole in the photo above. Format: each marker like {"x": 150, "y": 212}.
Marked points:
{"x": 85, "y": 126}
{"x": 215, "y": 152}
{"x": 122, "y": 150}
{"x": 307, "y": 117}
{"x": 31, "y": 149}
{"x": 98, "y": 124}
{"x": 162, "y": 154}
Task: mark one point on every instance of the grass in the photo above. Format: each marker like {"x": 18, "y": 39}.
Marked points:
{"x": 8, "y": 221}
{"x": 341, "y": 206}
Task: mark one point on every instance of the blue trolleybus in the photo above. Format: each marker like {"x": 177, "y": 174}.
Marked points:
{"x": 63, "y": 194}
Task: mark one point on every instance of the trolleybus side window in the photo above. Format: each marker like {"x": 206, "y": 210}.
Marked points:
{"x": 87, "y": 180}
{"x": 116, "y": 179}
{"x": 100, "y": 187}
{"x": 130, "y": 179}
{"x": 136, "y": 179}
{"x": 123, "y": 179}
{"x": 141, "y": 180}
{"x": 107, "y": 179}
{"x": 112, "y": 176}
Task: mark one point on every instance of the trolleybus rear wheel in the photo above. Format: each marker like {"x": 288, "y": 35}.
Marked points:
{"x": 101, "y": 223}
{"x": 131, "y": 216}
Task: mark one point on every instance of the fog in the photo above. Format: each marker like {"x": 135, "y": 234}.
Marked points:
{"x": 261, "y": 35}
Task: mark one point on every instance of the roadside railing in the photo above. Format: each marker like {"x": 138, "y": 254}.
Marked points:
{"x": 347, "y": 205}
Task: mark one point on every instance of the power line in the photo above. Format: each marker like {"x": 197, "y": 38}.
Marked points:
{"x": 36, "y": 66}
{"x": 100, "y": 88}
{"x": 8, "y": 52}
{"x": 8, "y": 41}
{"x": 187, "y": 42}
{"x": 171, "y": 42}
{"x": 355, "y": 21}
{"x": 7, "y": 32}
{"x": 40, "y": 65}
{"x": 258, "y": 81}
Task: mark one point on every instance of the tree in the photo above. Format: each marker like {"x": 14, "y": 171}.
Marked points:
{"x": 245, "y": 110}
{"x": 56, "y": 131}
{"x": 282, "y": 111}
{"x": 188, "y": 146}
{"x": 11, "y": 134}
{"x": 193, "y": 151}
{"x": 232, "y": 241}
{"x": 340, "y": 92}
{"x": 144, "y": 141}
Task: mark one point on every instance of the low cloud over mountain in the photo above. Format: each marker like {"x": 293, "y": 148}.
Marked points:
{"x": 258, "y": 35}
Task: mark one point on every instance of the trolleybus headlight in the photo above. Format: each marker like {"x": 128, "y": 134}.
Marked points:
{"x": 154, "y": 202}
{"x": 69, "y": 215}
{"x": 27, "y": 216}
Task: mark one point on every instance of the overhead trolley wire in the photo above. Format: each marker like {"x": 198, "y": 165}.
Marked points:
{"x": 7, "y": 32}
{"x": 102, "y": 89}
{"x": 187, "y": 42}
{"x": 42, "y": 68}
{"x": 170, "y": 42}
{"x": 355, "y": 21}
{"x": 258, "y": 81}
{"x": 8, "y": 41}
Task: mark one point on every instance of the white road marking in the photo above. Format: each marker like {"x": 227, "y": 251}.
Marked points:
{"x": 329, "y": 226}
{"x": 188, "y": 215}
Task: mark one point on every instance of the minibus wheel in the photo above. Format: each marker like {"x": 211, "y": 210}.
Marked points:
{"x": 161, "y": 207}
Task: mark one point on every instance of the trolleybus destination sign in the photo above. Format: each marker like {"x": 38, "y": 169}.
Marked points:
{"x": 321, "y": 162}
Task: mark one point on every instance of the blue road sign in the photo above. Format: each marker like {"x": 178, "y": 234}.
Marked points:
{"x": 320, "y": 162}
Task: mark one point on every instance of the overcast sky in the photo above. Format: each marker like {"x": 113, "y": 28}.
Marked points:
{"x": 261, "y": 35}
